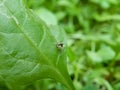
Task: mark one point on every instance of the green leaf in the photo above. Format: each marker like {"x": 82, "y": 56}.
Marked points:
{"x": 94, "y": 57}
{"x": 47, "y": 16}
{"x": 90, "y": 87}
{"x": 106, "y": 17}
{"x": 106, "y": 53}
{"x": 28, "y": 49}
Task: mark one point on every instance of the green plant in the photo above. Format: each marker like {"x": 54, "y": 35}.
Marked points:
{"x": 93, "y": 31}
{"x": 93, "y": 41}
{"x": 29, "y": 50}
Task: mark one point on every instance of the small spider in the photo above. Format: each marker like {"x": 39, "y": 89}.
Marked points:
{"x": 60, "y": 45}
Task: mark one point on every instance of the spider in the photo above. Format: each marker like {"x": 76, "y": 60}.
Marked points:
{"x": 60, "y": 45}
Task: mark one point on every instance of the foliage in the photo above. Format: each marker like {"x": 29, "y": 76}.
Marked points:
{"x": 93, "y": 31}
{"x": 29, "y": 50}
{"x": 93, "y": 38}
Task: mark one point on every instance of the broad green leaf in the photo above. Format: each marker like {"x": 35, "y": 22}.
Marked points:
{"x": 90, "y": 87}
{"x": 29, "y": 50}
{"x": 46, "y": 16}
{"x": 94, "y": 57}
{"x": 105, "y": 53}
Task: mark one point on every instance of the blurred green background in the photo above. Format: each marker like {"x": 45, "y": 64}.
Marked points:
{"x": 93, "y": 31}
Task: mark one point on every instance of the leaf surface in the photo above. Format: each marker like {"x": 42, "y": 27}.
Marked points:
{"x": 28, "y": 49}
